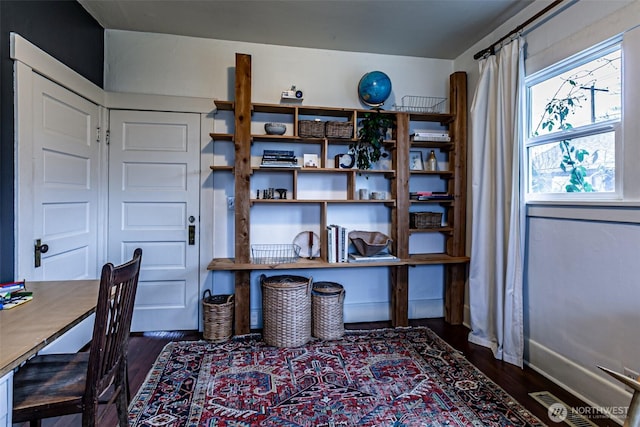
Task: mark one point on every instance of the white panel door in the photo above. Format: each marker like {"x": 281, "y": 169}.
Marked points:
{"x": 58, "y": 185}
{"x": 154, "y": 185}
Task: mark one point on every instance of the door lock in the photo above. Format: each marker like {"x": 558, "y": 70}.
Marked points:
{"x": 39, "y": 249}
{"x": 192, "y": 235}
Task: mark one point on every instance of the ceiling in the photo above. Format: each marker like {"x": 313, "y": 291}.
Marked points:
{"x": 423, "y": 28}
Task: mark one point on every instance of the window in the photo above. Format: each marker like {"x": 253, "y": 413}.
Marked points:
{"x": 572, "y": 120}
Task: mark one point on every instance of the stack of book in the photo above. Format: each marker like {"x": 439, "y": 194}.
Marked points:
{"x": 430, "y": 135}
{"x": 279, "y": 159}
{"x": 13, "y": 294}
{"x": 337, "y": 244}
{"x": 430, "y": 195}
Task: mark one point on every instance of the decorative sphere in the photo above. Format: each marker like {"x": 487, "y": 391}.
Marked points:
{"x": 374, "y": 88}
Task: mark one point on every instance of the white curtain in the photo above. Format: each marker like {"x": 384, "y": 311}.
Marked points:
{"x": 497, "y": 248}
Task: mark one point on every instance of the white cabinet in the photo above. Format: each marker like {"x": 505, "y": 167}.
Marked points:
{"x": 6, "y": 397}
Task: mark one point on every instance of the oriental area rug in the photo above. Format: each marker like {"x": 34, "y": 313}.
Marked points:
{"x": 386, "y": 377}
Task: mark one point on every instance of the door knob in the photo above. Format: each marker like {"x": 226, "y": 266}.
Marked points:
{"x": 39, "y": 249}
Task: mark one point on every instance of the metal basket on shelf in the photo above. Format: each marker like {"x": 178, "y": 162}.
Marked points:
{"x": 274, "y": 253}
{"x": 421, "y": 104}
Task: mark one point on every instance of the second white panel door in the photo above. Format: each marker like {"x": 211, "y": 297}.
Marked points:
{"x": 154, "y": 180}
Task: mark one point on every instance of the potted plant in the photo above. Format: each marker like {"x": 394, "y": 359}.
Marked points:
{"x": 371, "y": 134}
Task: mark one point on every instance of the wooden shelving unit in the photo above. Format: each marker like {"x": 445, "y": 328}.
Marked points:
{"x": 452, "y": 257}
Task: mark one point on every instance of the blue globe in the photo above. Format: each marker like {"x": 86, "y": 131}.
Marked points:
{"x": 374, "y": 88}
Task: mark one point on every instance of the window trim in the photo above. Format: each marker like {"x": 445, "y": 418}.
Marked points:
{"x": 601, "y": 49}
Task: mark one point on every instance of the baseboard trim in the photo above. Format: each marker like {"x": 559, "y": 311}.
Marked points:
{"x": 573, "y": 377}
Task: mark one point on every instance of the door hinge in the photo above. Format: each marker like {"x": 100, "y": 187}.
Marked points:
{"x": 99, "y": 135}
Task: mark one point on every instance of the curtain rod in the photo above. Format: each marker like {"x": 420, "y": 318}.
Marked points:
{"x": 491, "y": 49}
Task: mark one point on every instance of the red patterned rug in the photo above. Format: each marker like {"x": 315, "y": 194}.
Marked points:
{"x": 388, "y": 377}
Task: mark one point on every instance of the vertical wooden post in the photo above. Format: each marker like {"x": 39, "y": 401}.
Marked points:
{"x": 455, "y": 275}
{"x": 400, "y": 296}
{"x": 458, "y": 105}
{"x": 242, "y": 167}
{"x": 400, "y": 223}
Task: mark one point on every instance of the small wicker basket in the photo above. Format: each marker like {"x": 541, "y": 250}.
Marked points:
{"x": 286, "y": 310}
{"x": 327, "y": 300}
{"x": 339, "y": 130}
{"x": 217, "y": 311}
{"x": 311, "y": 128}
{"x": 425, "y": 220}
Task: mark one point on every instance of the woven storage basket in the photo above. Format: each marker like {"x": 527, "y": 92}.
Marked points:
{"x": 311, "y": 129}
{"x": 327, "y": 300}
{"x": 425, "y": 219}
{"x": 339, "y": 130}
{"x": 286, "y": 310}
{"x": 217, "y": 311}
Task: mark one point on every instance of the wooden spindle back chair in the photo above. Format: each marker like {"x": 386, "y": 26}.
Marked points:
{"x": 61, "y": 384}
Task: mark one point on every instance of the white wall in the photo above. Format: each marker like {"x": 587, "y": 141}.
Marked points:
{"x": 581, "y": 285}
{"x": 188, "y": 66}
{"x": 192, "y": 67}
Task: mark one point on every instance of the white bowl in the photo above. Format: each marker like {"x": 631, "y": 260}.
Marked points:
{"x": 275, "y": 128}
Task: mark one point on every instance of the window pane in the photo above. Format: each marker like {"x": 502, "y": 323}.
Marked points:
{"x": 589, "y": 93}
{"x": 596, "y": 171}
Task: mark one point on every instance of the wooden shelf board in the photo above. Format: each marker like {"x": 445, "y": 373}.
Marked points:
{"x": 221, "y": 136}
{"x": 228, "y": 264}
{"x": 442, "y": 118}
{"x": 325, "y": 111}
{"x": 326, "y": 170}
{"x": 442, "y": 146}
{"x": 276, "y": 138}
{"x": 301, "y": 140}
{"x": 221, "y": 168}
{"x": 419, "y": 259}
{"x": 387, "y": 201}
{"x": 436, "y": 201}
{"x": 441, "y": 173}
{"x": 431, "y": 230}
{"x": 273, "y": 108}
{"x": 224, "y": 105}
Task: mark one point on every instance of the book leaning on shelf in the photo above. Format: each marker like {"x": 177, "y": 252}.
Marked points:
{"x": 337, "y": 244}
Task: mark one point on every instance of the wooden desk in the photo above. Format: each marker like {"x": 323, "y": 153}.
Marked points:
{"x": 56, "y": 307}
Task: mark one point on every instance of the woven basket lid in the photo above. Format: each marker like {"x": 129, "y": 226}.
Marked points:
{"x": 326, "y": 288}
{"x": 284, "y": 280}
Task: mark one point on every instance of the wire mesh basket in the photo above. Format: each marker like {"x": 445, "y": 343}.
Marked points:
{"x": 421, "y": 104}
{"x": 274, "y": 253}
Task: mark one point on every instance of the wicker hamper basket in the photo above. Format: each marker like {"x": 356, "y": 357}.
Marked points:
{"x": 286, "y": 310}
{"x": 327, "y": 300}
{"x": 311, "y": 129}
{"x": 339, "y": 130}
{"x": 217, "y": 320}
{"x": 425, "y": 219}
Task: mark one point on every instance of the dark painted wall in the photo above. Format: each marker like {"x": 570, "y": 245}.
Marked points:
{"x": 64, "y": 30}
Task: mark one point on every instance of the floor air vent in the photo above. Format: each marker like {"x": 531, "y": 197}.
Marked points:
{"x": 560, "y": 411}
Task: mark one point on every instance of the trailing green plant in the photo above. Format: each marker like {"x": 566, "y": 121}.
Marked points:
{"x": 573, "y": 159}
{"x": 371, "y": 135}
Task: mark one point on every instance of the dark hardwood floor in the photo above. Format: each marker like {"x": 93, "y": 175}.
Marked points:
{"x": 144, "y": 349}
